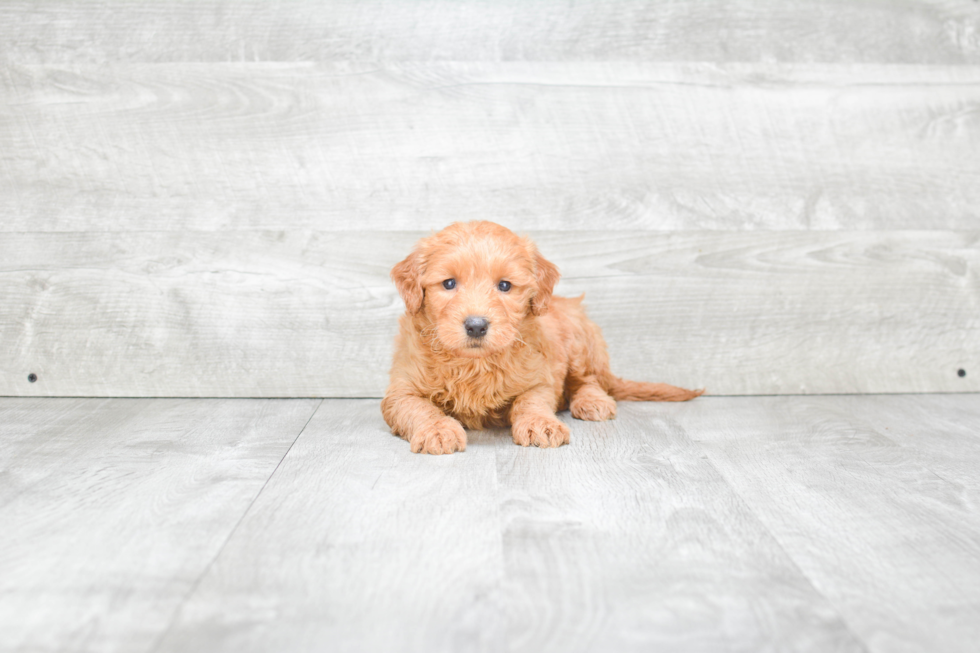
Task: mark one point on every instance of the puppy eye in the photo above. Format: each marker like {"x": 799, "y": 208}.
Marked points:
{"x": 449, "y": 284}
{"x": 503, "y": 286}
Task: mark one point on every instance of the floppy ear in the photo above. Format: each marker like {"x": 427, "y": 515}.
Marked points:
{"x": 547, "y": 276}
{"x": 407, "y": 276}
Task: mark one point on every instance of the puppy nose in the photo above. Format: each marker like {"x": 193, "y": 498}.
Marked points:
{"x": 476, "y": 327}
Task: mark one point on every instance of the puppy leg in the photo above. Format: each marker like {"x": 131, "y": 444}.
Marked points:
{"x": 533, "y": 419}
{"x": 590, "y": 402}
{"x": 418, "y": 420}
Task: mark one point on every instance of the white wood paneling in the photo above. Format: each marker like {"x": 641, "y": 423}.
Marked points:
{"x": 314, "y": 314}
{"x": 112, "y": 509}
{"x": 204, "y": 198}
{"x": 845, "y": 31}
{"x": 550, "y": 146}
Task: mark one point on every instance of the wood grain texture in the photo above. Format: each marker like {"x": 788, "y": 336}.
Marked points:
{"x": 736, "y": 524}
{"x": 548, "y": 146}
{"x": 314, "y": 313}
{"x": 943, "y": 431}
{"x": 618, "y": 542}
{"x": 845, "y": 31}
{"x": 893, "y": 544}
{"x": 629, "y": 540}
{"x": 112, "y": 509}
{"x": 356, "y": 544}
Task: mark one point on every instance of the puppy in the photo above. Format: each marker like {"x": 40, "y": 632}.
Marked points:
{"x": 484, "y": 343}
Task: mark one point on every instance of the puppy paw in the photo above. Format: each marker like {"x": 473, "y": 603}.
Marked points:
{"x": 594, "y": 407}
{"x": 540, "y": 431}
{"x": 444, "y": 436}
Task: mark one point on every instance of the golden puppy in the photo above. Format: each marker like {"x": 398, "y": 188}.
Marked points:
{"x": 484, "y": 343}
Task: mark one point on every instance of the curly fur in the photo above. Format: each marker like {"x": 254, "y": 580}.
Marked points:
{"x": 541, "y": 353}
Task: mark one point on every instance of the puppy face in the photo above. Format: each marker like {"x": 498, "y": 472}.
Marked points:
{"x": 474, "y": 284}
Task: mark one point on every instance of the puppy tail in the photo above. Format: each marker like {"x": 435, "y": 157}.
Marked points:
{"x": 624, "y": 390}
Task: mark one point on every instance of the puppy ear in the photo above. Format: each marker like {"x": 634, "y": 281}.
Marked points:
{"x": 548, "y": 275}
{"x": 407, "y": 276}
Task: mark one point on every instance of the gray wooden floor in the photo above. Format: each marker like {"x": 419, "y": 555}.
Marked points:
{"x": 748, "y": 523}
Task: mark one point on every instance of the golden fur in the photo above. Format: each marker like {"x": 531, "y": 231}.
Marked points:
{"x": 540, "y": 354}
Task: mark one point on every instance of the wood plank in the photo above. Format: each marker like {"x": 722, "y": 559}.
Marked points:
{"x": 380, "y": 549}
{"x": 314, "y": 313}
{"x": 356, "y": 544}
{"x": 629, "y": 540}
{"x": 764, "y": 523}
{"x": 622, "y": 540}
{"x": 787, "y": 313}
{"x": 198, "y": 314}
{"x": 940, "y": 31}
{"x": 943, "y": 431}
{"x": 893, "y": 546}
{"x": 547, "y": 146}
{"x": 112, "y": 509}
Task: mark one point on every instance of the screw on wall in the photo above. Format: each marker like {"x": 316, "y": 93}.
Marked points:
{"x": 961, "y": 373}
{"x": 32, "y": 377}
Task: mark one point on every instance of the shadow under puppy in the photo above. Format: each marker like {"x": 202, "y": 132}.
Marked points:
{"x": 484, "y": 343}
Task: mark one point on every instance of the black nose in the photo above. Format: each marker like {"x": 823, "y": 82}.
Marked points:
{"x": 476, "y": 327}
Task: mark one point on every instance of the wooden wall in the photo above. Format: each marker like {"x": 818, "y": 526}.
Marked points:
{"x": 204, "y": 198}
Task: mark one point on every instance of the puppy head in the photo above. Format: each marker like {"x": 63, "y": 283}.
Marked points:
{"x": 474, "y": 284}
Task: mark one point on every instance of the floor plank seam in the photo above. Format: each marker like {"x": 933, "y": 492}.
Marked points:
{"x": 499, "y": 587}
{"x": 231, "y": 533}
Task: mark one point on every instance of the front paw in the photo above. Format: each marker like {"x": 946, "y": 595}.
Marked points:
{"x": 444, "y": 436}
{"x": 540, "y": 430}
{"x": 594, "y": 408}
